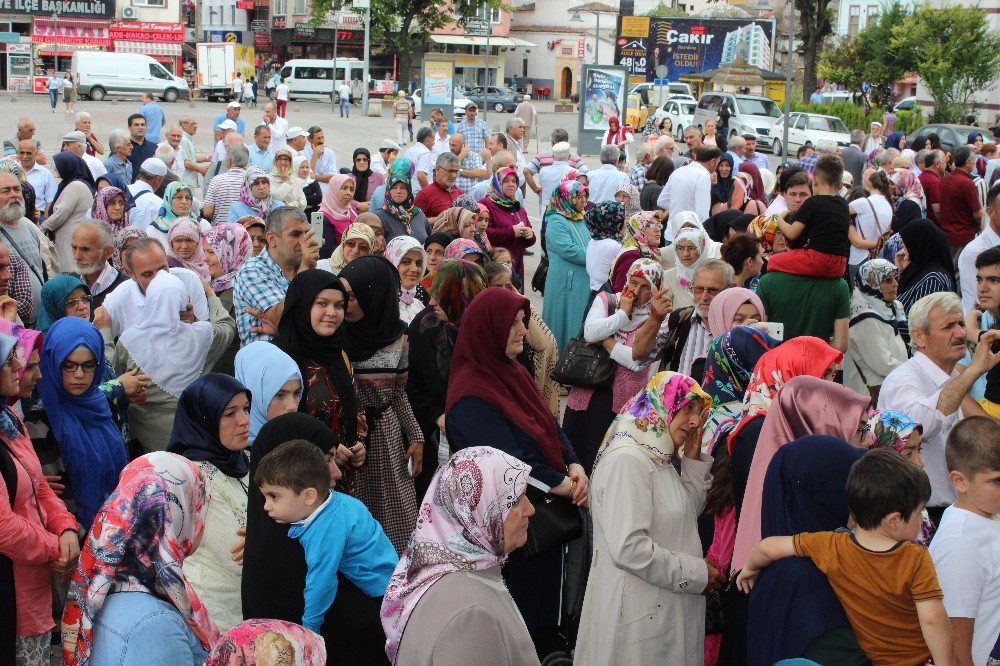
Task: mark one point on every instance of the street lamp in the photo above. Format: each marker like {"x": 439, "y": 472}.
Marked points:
{"x": 55, "y": 29}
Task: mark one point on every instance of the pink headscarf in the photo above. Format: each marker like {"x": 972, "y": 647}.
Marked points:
{"x": 339, "y": 215}
{"x": 459, "y": 528}
{"x": 757, "y": 190}
{"x": 28, "y": 340}
{"x": 185, "y": 227}
{"x": 803, "y": 406}
{"x": 232, "y": 245}
{"x": 724, "y": 307}
{"x": 254, "y": 642}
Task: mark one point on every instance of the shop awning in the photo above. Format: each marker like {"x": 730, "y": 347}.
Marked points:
{"x": 170, "y": 49}
{"x": 70, "y": 31}
{"x": 464, "y": 40}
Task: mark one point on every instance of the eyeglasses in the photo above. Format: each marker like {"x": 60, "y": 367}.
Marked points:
{"x": 710, "y": 291}
{"x": 88, "y": 367}
{"x": 653, "y": 225}
{"x": 449, "y": 171}
{"x": 73, "y": 302}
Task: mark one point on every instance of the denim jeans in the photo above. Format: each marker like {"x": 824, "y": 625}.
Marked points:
{"x": 53, "y": 96}
{"x": 345, "y": 106}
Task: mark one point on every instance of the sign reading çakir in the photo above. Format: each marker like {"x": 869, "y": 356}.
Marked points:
{"x": 64, "y": 8}
{"x": 145, "y": 31}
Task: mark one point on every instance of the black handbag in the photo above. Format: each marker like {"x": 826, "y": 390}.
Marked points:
{"x": 584, "y": 364}
{"x": 538, "y": 279}
{"x": 556, "y": 522}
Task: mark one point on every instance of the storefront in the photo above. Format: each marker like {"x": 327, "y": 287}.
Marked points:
{"x": 18, "y": 58}
{"x": 161, "y": 41}
{"x": 305, "y": 41}
{"x": 55, "y": 40}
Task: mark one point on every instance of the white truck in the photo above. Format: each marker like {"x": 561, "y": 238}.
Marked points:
{"x": 218, "y": 63}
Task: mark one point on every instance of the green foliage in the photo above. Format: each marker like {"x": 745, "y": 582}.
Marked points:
{"x": 814, "y": 27}
{"x": 662, "y": 10}
{"x": 854, "y": 116}
{"x": 953, "y": 51}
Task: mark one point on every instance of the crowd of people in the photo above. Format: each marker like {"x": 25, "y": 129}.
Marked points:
{"x": 262, "y": 409}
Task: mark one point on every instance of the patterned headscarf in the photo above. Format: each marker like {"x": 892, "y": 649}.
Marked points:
{"x": 139, "y": 541}
{"x": 867, "y": 301}
{"x": 605, "y": 220}
{"x": 635, "y": 239}
{"x": 685, "y": 274}
{"x": 354, "y": 231}
{"x": 188, "y": 228}
{"x": 399, "y": 172}
{"x": 560, "y": 201}
{"x": 13, "y": 167}
{"x": 466, "y": 201}
{"x": 632, "y": 192}
{"x": 908, "y": 185}
{"x": 453, "y": 285}
{"x": 166, "y": 215}
{"x": 496, "y": 194}
{"x": 764, "y": 227}
{"x": 252, "y": 174}
{"x": 460, "y": 248}
{"x": 459, "y": 528}
{"x": 99, "y": 211}
{"x": 452, "y": 220}
{"x": 233, "y": 246}
{"x": 122, "y": 236}
{"x": 572, "y": 175}
{"x": 651, "y": 271}
{"x": 259, "y": 642}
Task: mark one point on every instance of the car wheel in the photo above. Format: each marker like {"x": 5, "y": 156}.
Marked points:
{"x": 170, "y": 95}
{"x": 776, "y": 148}
{"x": 97, "y": 94}
{"x": 498, "y": 107}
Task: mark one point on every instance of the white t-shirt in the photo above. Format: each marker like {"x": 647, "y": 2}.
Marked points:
{"x": 777, "y": 207}
{"x": 281, "y": 92}
{"x": 237, "y": 86}
{"x": 966, "y": 554}
{"x": 248, "y": 90}
{"x": 874, "y": 218}
{"x": 344, "y": 91}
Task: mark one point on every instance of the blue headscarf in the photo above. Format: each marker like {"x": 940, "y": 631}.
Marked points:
{"x": 892, "y": 141}
{"x": 196, "y": 424}
{"x": 90, "y": 443}
{"x": 9, "y": 424}
{"x": 263, "y": 368}
{"x": 792, "y": 603}
{"x": 54, "y": 295}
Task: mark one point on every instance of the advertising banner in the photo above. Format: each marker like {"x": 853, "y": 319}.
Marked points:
{"x": 220, "y": 36}
{"x": 439, "y": 86}
{"x": 64, "y": 8}
{"x": 144, "y": 31}
{"x": 602, "y": 96}
{"x": 46, "y": 31}
{"x": 687, "y": 45}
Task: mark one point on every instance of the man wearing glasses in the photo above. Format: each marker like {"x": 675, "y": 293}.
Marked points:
{"x": 438, "y": 196}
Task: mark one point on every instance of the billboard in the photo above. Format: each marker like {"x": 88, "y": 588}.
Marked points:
{"x": 687, "y": 45}
{"x": 439, "y": 87}
{"x": 602, "y": 96}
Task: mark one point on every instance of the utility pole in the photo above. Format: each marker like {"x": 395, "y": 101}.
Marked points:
{"x": 366, "y": 5}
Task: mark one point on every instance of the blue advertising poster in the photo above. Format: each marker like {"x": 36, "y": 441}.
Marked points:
{"x": 687, "y": 45}
{"x": 439, "y": 83}
{"x": 602, "y": 95}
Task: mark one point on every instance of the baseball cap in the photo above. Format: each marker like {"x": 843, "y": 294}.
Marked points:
{"x": 389, "y": 144}
{"x": 471, "y": 105}
{"x": 295, "y": 132}
{"x": 227, "y": 124}
{"x": 155, "y": 166}
{"x": 74, "y": 137}
{"x": 234, "y": 105}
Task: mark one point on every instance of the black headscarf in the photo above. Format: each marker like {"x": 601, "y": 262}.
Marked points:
{"x": 28, "y": 194}
{"x": 928, "y": 249}
{"x": 196, "y": 424}
{"x": 70, "y": 167}
{"x": 361, "y": 177}
{"x": 439, "y": 237}
{"x": 717, "y": 226}
{"x": 723, "y": 188}
{"x": 907, "y": 211}
{"x": 297, "y": 338}
{"x": 374, "y": 282}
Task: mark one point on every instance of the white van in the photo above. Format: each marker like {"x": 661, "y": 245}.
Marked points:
{"x": 316, "y": 78}
{"x": 749, "y": 115}
{"x": 124, "y": 74}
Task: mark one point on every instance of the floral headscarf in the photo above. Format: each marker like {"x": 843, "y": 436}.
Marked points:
{"x": 685, "y": 274}
{"x": 138, "y": 543}
{"x": 764, "y": 227}
{"x": 906, "y": 182}
{"x": 232, "y": 245}
{"x": 354, "y": 231}
{"x": 165, "y": 216}
{"x": 400, "y": 173}
{"x": 632, "y": 192}
{"x": 99, "y": 211}
{"x": 651, "y": 271}
{"x": 459, "y": 528}
{"x": 645, "y": 419}
{"x": 635, "y": 239}
{"x": 572, "y": 175}
{"x": 605, "y": 220}
{"x": 260, "y": 642}
{"x": 28, "y": 341}
{"x": 123, "y": 236}
{"x": 452, "y": 220}
{"x": 453, "y": 285}
{"x": 252, "y": 174}
{"x": 560, "y": 201}
{"x": 13, "y": 167}
{"x": 187, "y": 228}
{"x": 460, "y": 248}
{"x": 496, "y": 194}
{"x": 867, "y": 300}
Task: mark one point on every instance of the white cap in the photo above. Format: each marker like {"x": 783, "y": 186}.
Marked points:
{"x": 527, "y": 98}
{"x": 155, "y": 166}
{"x": 561, "y": 146}
{"x": 389, "y": 144}
{"x": 234, "y": 105}
{"x": 295, "y": 132}
{"x": 847, "y": 178}
{"x": 75, "y": 136}
{"x": 227, "y": 124}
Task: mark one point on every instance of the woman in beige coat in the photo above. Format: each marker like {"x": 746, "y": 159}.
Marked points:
{"x": 286, "y": 186}
{"x": 644, "y": 601}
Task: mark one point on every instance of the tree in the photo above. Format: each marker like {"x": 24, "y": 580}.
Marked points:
{"x": 953, "y": 52}
{"x": 814, "y": 27}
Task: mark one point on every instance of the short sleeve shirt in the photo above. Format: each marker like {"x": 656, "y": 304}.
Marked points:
{"x": 931, "y": 182}
{"x": 959, "y": 201}
{"x": 827, "y": 219}
{"x": 259, "y": 284}
{"x": 806, "y": 305}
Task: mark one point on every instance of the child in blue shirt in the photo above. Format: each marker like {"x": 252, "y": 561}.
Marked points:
{"x": 337, "y": 532}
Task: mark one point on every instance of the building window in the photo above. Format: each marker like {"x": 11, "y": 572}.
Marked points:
{"x": 488, "y": 13}
{"x": 279, "y": 7}
{"x": 872, "y": 15}
{"x": 300, "y": 7}
{"x": 853, "y": 18}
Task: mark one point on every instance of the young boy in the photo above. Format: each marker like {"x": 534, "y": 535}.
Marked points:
{"x": 336, "y": 531}
{"x": 820, "y": 232}
{"x": 886, "y": 583}
{"x": 966, "y": 548}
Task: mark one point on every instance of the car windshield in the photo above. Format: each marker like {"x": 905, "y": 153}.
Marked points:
{"x": 687, "y": 108}
{"x": 757, "y": 107}
{"x": 825, "y": 124}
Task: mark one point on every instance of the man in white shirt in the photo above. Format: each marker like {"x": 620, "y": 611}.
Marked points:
{"x": 143, "y": 191}
{"x": 988, "y": 237}
{"x": 690, "y": 187}
{"x": 386, "y": 155}
{"x": 515, "y": 139}
{"x": 321, "y": 159}
{"x": 604, "y": 182}
{"x": 225, "y": 127}
{"x": 421, "y": 158}
{"x": 277, "y": 124}
{"x": 296, "y": 137}
{"x": 76, "y": 142}
{"x": 345, "y": 100}
{"x": 550, "y": 175}
{"x": 929, "y": 389}
{"x": 39, "y": 177}
{"x": 440, "y": 128}
{"x": 174, "y": 135}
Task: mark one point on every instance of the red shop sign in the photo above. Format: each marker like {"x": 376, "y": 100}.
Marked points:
{"x": 145, "y": 31}
{"x": 91, "y": 33}
{"x": 262, "y": 40}
{"x": 246, "y": 4}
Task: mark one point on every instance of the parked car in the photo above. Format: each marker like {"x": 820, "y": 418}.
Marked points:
{"x": 500, "y": 99}
{"x": 636, "y": 113}
{"x": 952, "y": 136}
{"x": 812, "y": 127}
{"x": 680, "y": 110}
{"x": 749, "y": 114}
{"x": 651, "y": 92}
{"x": 457, "y": 110}
{"x": 906, "y": 104}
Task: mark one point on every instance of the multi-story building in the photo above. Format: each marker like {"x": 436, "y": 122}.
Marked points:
{"x": 751, "y": 42}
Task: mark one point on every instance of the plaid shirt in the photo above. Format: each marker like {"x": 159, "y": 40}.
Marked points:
{"x": 20, "y": 287}
{"x": 471, "y": 161}
{"x": 475, "y": 134}
{"x": 808, "y": 162}
{"x": 637, "y": 175}
{"x": 259, "y": 284}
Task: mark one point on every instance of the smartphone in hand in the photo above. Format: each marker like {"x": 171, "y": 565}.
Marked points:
{"x": 316, "y": 224}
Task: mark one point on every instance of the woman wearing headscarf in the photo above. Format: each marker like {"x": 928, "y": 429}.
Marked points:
{"x": 172, "y": 353}
{"x": 457, "y": 222}
{"x": 109, "y": 206}
{"x": 273, "y": 378}
{"x": 627, "y": 195}
{"x": 897, "y": 140}
{"x": 185, "y": 247}
{"x": 310, "y": 186}
{"x": 612, "y": 321}
{"x": 259, "y": 642}
{"x": 255, "y": 227}
{"x": 210, "y": 429}
{"x": 435, "y": 246}
{"x": 129, "y": 600}
{"x": 398, "y": 214}
{"x": 795, "y": 611}
{"x": 651, "y": 570}
{"x": 908, "y": 197}
{"x": 227, "y": 247}
{"x": 357, "y": 241}
{"x": 975, "y": 140}
{"x": 339, "y": 211}
{"x": 178, "y": 202}
{"x": 123, "y": 238}
{"x": 39, "y": 535}
{"x": 366, "y": 181}
{"x": 566, "y": 282}
{"x": 640, "y": 240}
{"x": 734, "y": 307}
{"x": 765, "y": 229}
{"x": 877, "y": 345}
{"x": 446, "y": 599}
{"x": 689, "y": 247}
{"x": 509, "y": 413}
{"x": 617, "y": 135}
{"x": 90, "y": 445}
{"x": 605, "y": 223}
{"x": 756, "y": 190}
{"x": 925, "y": 263}
{"x": 274, "y": 564}
{"x": 374, "y": 338}
{"x": 724, "y": 183}
{"x": 286, "y": 186}
{"x": 408, "y": 256}
{"x": 255, "y": 196}
{"x": 74, "y": 198}
{"x": 509, "y": 225}
{"x": 467, "y": 249}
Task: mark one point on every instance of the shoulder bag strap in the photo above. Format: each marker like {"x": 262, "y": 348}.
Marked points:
{"x": 41, "y": 279}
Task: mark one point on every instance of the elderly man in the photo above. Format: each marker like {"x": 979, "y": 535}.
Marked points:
{"x": 960, "y": 214}
{"x": 83, "y": 124}
{"x": 750, "y": 153}
{"x": 40, "y": 178}
{"x": 166, "y": 154}
{"x": 527, "y": 112}
{"x": 143, "y": 191}
{"x": 220, "y": 167}
{"x": 693, "y": 139}
{"x": 643, "y": 158}
{"x": 854, "y": 159}
{"x": 232, "y": 112}
{"x": 421, "y": 158}
{"x": 25, "y": 130}
{"x": 557, "y": 165}
{"x": 261, "y": 154}
{"x": 930, "y": 390}
{"x": 737, "y": 151}
{"x": 195, "y": 166}
{"x": 142, "y": 149}
{"x": 604, "y": 182}
{"x": 296, "y": 138}
{"x": 118, "y": 164}
{"x": 665, "y": 146}
{"x": 277, "y": 124}
{"x": 20, "y": 238}
{"x": 15, "y": 285}
{"x": 93, "y": 244}
{"x": 322, "y": 160}
{"x": 471, "y": 170}
{"x": 386, "y": 155}
{"x": 472, "y": 128}
{"x": 515, "y": 138}
{"x": 224, "y": 190}
{"x": 174, "y": 137}
{"x": 437, "y": 197}
{"x": 76, "y": 142}
{"x": 690, "y": 187}
{"x": 226, "y": 127}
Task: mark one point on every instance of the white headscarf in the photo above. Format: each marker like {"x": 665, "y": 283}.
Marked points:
{"x": 172, "y": 353}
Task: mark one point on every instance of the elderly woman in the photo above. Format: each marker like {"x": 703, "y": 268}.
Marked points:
{"x": 186, "y": 247}
{"x": 110, "y": 206}
{"x": 646, "y": 528}
{"x": 435, "y": 247}
{"x": 73, "y": 199}
{"x": 734, "y": 307}
{"x": 178, "y": 202}
{"x": 446, "y": 600}
{"x": 457, "y": 222}
{"x": 467, "y": 249}
{"x": 227, "y": 247}
{"x": 126, "y": 608}
{"x": 339, "y": 211}
{"x": 357, "y": 241}
{"x": 566, "y": 282}
{"x": 255, "y": 227}
{"x": 605, "y": 222}
{"x": 408, "y": 256}
{"x": 876, "y": 344}
{"x": 641, "y": 240}
{"x": 286, "y": 186}
{"x": 210, "y": 430}
{"x": 366, "y": 180}
{"x": 689, "y": 247}
{"x": 627, "y": 195}
{"x": 255, "y": 196}
{"x": 398, "y": 214}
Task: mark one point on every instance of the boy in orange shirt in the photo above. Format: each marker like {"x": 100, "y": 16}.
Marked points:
{"x": 886, "y": 583}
